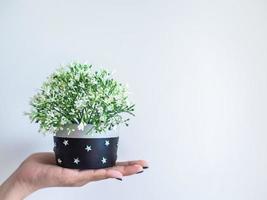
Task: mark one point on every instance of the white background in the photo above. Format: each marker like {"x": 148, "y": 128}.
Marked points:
{"x": 198, "y": 73}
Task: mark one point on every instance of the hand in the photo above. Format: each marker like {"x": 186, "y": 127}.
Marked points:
{"x": 40, "y": 170}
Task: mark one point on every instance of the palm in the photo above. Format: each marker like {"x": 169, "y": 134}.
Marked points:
{"x": 40, "y": 170}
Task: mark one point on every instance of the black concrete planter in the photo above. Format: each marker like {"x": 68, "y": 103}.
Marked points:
{"x": 79, "y": 150}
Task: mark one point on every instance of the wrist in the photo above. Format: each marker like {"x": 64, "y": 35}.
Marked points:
{"x": 14, "y": 189}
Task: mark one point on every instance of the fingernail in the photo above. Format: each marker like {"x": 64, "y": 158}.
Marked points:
{"x": 120, "y": 179}
{"x": 140, "y": 172}
{"x": 145, "y": 167}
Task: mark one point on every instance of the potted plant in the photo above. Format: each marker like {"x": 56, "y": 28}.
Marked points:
{"x": 82, "y": 108}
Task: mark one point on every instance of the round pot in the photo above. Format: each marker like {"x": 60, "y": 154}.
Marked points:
{"x": 80, "y": 150}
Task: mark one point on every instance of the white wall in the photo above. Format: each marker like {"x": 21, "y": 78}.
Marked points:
{"x": 198, "y": 73}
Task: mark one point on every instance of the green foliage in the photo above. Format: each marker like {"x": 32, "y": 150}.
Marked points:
{"x": 75, "y": 94}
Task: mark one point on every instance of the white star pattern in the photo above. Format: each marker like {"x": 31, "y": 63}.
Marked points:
{"x": 59, "y": 161}
{"x": 104, "y": 160}
{"x": 66, "y": 142}
{"x": 76, "y": 161}
{"x": 107, "y": 142}
{"x": 88, "y": 148}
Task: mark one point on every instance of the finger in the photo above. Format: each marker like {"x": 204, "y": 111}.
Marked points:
{"x": 99, "y": 174}
{"x": 112, "y": 173}
{"x": 143, "y": 163}
{"x": 128, "y": 169}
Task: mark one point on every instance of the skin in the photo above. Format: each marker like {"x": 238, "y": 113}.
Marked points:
{"x": 40, "y": 171}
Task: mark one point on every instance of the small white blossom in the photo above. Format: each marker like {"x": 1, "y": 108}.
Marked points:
{"x": 110, "y": 107}
{"x": 94, "y": 81}
{"x": 99, "y": 110}
{"x": 77, "y": 77}
{"x": 77, "y": 94}
{"x": 103, "y": 118}
{"x": 81, "y": 126}
{"x": 51, "y": 114}
{"x": 81, "y": 103}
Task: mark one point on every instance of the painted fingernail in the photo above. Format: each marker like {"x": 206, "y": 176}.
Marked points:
{"x": 145, "y": 167}
{"x": 140, "y": 172}
{"x": 120, "y": 179}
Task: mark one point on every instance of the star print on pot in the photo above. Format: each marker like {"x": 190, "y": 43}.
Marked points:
{"x": 88, "y": 148}
{"x": 59, "y": 161}
{"x": 107, "y": 142}
{"x": 104, "y": 160}
{"x": 65, "y": 142}
{"x": 76, "y": 161}
{"x": 86, "y": 153}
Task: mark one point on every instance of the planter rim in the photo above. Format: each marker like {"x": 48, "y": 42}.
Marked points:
{"x": 83, "y": 133}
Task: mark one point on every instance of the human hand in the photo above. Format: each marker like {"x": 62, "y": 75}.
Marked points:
{"x": 40, "y": 171}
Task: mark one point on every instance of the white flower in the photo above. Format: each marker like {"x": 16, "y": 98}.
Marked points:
{"x": 77, "y": 94}
{"x": 71, "y": 83}
{"x": 116, "y": 98}
{"x": 81, "y": 126}
{"x": 82, "y": 85}
{"x": 80, "y": 103}
{"x": 63, "y": 121}
{"x": 103, "y": 118}
{"x": 94, "y": 81}
{"x": 77, "y": 77}
{"x": 99, "y": 109}
{"x": 110, "y": 107}
{"x": 51, "y": 114}
{"x": 108, "y": 100}
{"x": 47, "y": 91}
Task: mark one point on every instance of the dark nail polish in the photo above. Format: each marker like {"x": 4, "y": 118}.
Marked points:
{"x": 145, "y": 167}
{"x": 140, "y": 172}
{"x": 120, "y": 179}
